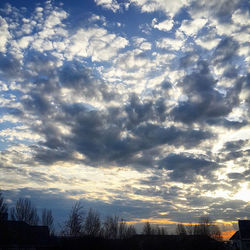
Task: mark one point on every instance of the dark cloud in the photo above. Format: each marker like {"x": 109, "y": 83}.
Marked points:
{"x": 10, "y": 67}
{"x": 156, "y": 135}
{"x": 235, "y": 150}
{"x": 234, "y": 145}
{"x": 48, "y": 156}
{"x": 185, "y": 168}
{"x": 240, "y": 177}
{"x": 225, "y": 52}
{"x": 188, "y": 60}
{"x": 205, "y": 103}
{"x": 216, "y": 186}
{"x": 235, "y": 176}
{"x": 112, "y": 135}
{"x": 222, "y": 11}
{"x": 139, "y": 112}
{"x": 246, "y": 92}
{"x": 75, "y": 76}
{"x": 37, "y": 102}
{"x": 223, "y": 122}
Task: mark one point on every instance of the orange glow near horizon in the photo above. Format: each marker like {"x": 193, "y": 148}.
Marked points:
{"x": 160, "y": 221}
{"x": 153, "y": 221}
{"x": 228, "y": 234}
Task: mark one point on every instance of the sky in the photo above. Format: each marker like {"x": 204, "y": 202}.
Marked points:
{"x": 138, "y": 108}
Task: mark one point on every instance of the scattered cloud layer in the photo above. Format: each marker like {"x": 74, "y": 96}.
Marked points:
{"x": 148, "y": 118}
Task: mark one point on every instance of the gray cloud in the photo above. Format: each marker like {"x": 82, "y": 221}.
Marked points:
{"x": 205, "y": 103}
{"x": 10, "y": 67}
{"x": 222, "y": 11}
{"x": 225, "y": 51}
{"x": 234, "y": 145}
{"x": 185, "y": 168}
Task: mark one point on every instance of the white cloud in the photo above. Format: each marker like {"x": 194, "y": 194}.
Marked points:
{"x": 96, "y": 43}
{"x": 142, "y": 43}
{"x": 39, "y": 9}
{"x": 27, "y": 27}
{"x": 242, "y": 37}
{"x": 96, "y": 18}
{"x": 171, "y": 44}
{"x": 239, "y": 31}
{"x": 209, "y": 39}
{"x": 25, "y": 41}
{"x": 52, "y": 35}
{"x": 166, "y": 25}
{"x": 5, "y": 35}
{"x": 224, "y": 28}
{"x": 132, "y": 59}
{"x": 55, "y": 18}
{"x": 191, "y": 27}
{"x": 168, "y": 6}
{"x": 208, "y": 44}
{"x": 3, "y": 86}
{"x": 241, "y": 18}
{"x": 145, "y": 46}
{"x": 108, "y": 4}
{"x": 19, "y": 133}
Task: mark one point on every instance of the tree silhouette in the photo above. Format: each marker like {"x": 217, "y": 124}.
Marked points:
{"x": 24, "y": 211}
{"x": 130, "y": 231}
{"x": 73, "y": 225}
{"x": 92, "y": 225}
{"x": 205, "y": 227}
{"x": 147, "y": 229}
{"x": 110, "y": 227}
{"x": 125, "y": 231}
{"x": 215, "y": 233}
{"x": 3, "y": 207}
{"x": 122, "y": 229}
{"x": 164, "y": 231}
{"x": 189, "y": 229}
{"x": 48, "y": 220}
{"x": 181, "y": 230}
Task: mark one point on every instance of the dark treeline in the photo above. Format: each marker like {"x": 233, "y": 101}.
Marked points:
{"x": 87, "y": 229}
{"x": 77, "y": 224}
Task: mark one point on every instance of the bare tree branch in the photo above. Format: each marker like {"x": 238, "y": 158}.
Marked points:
{"x": 48, "y": 220}
{"x": 92, "y": 225}
{"x": 3, "y": 207}
{"x": 74, "y": 224}
{"x": 25, "y": 211}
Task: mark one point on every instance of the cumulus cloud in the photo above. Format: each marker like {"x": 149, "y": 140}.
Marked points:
{"x": 169, "y": 7}
{"x": 5, "y": 35}
{"x": 96, "y": 43}
{"x": 192, "y": 27}
{"x": 169, "y": 43}
{"x": 204, "y": 101}
{"x": 108, "y": 4}
{"x": 165, "y": 115}
{"x": 186, "y": 168}
{"x": 166, "y": 25}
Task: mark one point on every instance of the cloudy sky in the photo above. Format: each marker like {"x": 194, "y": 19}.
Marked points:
{"x": 138, "y": 108}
